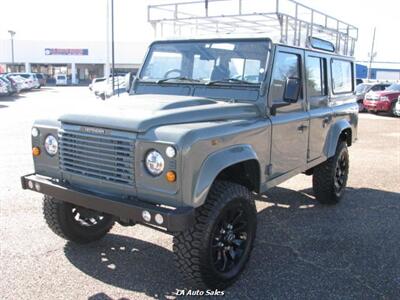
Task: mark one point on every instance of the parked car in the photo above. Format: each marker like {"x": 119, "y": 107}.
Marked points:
{"x": 7, "y": 83}
{"x": 363, "y": 88}
{"x": 96, "y": 81}
{"x": 23, "y": 83}
{"x": 33, "y": 82}
{"x": 4, "y": 91}
{"x": 61, "y": 79}
{"x": 16, "y": 87}
{"x": 42, "y": 79}
{"x": 187, "y": 151}
{"x": 396, "y": 111}
{"x": 104, "y": 89}
{"x": 382, "y": 101}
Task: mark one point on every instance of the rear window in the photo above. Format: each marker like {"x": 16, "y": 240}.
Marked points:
{"x": 61, "y": 77}
{"x": 342, "y": 76}
{"x": 40, "y": 76}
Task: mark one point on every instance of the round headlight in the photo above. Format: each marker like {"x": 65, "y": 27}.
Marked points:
{"x": 51, "y": 145}
{"x": 154, "y": 163}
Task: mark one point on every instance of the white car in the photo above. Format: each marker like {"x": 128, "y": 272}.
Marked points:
{"x": 21, "y": 82}
{"x": 31, "y": 78}
{"x": 61, "y": 79}
{"x": 96, "y": 81}
{"x": 3, "y": 89}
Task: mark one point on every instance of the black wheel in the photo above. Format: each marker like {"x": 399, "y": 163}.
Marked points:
{"x": 75, "y": 223}
{"x": 330, "y": 177}
{"x": 214, "y": 251}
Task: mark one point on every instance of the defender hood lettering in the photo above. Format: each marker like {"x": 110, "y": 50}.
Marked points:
{"x": 141, "y": 112}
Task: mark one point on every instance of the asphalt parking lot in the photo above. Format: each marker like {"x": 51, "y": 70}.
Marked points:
{"x": 303, "y": 250}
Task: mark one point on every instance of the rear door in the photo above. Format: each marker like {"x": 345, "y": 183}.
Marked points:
{"x": 289, "y": 123}
{"x": 316, "y": 65}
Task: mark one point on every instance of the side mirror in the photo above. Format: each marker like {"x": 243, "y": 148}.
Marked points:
{"x": 292, "y": 90}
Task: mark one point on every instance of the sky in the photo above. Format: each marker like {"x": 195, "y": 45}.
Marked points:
{"x": 85, "y": 20}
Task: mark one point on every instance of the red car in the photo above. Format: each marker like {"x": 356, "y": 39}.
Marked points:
{"x": 382, "y": 100}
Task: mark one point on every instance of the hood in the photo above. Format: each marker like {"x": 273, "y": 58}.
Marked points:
{"x": 139, "y": 113}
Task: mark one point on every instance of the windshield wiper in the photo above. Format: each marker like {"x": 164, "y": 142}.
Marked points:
{"x": 179, "y": 78}
{"x": 228, "y": 80}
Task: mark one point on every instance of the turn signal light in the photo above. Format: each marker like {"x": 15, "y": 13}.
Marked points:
{"x": 35, "y": 151}
{"x": 170, "y": 176}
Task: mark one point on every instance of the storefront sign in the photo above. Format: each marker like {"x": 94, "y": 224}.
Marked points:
{"x": 60, "y": 51}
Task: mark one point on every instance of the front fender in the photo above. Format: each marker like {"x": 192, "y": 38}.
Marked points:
{"x": 333, "y": 136}
{"x": 214, "y": 164}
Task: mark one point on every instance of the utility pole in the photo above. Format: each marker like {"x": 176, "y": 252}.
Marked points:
{"x": 12, "y": 33}
{"x": 371, "y": 55}
{"x": 107, "y": 69}
{"x": 112, "y": 45}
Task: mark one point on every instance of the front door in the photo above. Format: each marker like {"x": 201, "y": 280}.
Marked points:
{"x": 290, "y": 123}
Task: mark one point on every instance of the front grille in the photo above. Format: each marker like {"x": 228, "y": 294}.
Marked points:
{"x": 104, "y": 157}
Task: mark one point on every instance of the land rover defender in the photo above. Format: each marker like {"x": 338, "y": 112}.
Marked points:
{"x": 208, "y": 125}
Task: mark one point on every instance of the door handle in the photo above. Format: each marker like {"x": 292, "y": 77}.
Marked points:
{"x": 302, "y": 127}
{"x": 326, "y": 121}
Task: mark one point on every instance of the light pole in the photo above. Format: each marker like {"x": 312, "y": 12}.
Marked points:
{"x": 12, "y": 33}
{"x": 112, "y": 45}
{"x": 371, "y": 55}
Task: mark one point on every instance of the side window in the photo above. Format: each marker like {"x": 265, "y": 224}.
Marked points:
{"x": 342, "y": 76}
{"x": 286, "y": 65}
{"x": 316, "y": 76}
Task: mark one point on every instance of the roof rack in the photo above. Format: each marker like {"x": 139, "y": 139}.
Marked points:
{"x": 284, "y": 21}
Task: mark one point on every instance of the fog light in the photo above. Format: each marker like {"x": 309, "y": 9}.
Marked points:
{"x": 37, "y": 186}
{"x": 159, "y": 219}
{"x": 30, "y": 184}
{"x": 146, "y": 216}
{"x": 170, "y": 176}
{"x": 35, "y": 151}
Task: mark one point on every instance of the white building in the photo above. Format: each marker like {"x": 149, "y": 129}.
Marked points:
{"x": 81, "y": 61}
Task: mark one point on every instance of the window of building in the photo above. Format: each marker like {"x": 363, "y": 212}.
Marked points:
{"x": 316, "y": 76}
{"x": 287, "y": 65}
{"x": 342, "y": 76}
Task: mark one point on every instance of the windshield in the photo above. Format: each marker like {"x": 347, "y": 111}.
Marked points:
{"x": 232, "y": 62}
{"x": 394, "y": 87}
{"x": 362, "y": 88}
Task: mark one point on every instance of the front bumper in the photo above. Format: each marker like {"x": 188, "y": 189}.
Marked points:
{"x": 377, "y": 105}
{"x": 175, "y": 219}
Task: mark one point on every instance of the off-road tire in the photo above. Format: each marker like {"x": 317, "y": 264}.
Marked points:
{"x": 193, "y": 247}
{"x": 59, "y": 218}
{"x": 324, "y": 177}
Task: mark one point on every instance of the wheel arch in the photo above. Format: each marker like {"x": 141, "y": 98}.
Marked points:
{"x": 238, "y": 164}
{"x": 340, "y": 131}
